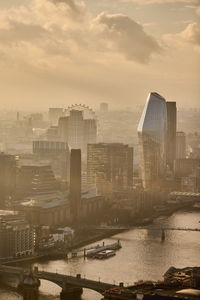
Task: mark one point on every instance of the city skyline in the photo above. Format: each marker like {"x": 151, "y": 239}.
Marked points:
{"x": 98, "y": 51}
{"x": 99, "y": 189}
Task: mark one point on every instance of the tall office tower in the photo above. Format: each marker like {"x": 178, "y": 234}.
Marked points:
{"x": 54, "y": 114}
{"x": 77, "y": 130}
{"x": 180, "y": 145}
{"x": 8, "y": 172}
{"x": 152, "y": 134}
{"x": 103, "y": 107}
{"x": 171, "y": 134}
{"x": 63, "y": 128}
{"x": 90, "y": 131}
{"x": 75, "y": 183}
{"x": 57, "y": 154}
{"x": 110, "y": 167}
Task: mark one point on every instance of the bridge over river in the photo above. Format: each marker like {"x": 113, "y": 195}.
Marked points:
{"x": 149, "y": 227}
{"x": 66, "y": 282}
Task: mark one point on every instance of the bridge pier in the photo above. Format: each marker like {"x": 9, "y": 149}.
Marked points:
{"x": 70, "y": 292}
{"x": 29, "y": 287}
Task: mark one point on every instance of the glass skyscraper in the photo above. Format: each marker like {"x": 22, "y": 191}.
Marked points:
{"x": 152, "y": 134}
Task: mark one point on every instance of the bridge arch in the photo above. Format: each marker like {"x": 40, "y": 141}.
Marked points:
{"x": 49, "y": 287}
{"x": 91, "y": 294}
{"x": 77, "y": 282}
{"x": 59, "y": 284}
{"x": 63, "y": 283}
{"x": 61, "y": 280}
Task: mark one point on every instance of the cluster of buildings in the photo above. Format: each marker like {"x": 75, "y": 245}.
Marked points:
{"x": 163, "y": 150}
{"x": 70, "y": 175}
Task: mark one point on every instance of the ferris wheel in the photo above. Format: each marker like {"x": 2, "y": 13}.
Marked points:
{"x": 88, "y": 112}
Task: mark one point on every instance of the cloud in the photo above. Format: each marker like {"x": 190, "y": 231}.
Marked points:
{"x": 146, "y": 2}
{"x": 56, "y": 32}
{"x": 195, "y": 7}
{"x": 128, "y": 37}
{"x": 17, "y": 31}
{"x": 191, "y": 34}
{"x": 198, "y": 10}
{"x": 76, "y": 8}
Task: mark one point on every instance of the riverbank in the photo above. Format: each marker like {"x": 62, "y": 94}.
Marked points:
{"x": 96, "y": 236}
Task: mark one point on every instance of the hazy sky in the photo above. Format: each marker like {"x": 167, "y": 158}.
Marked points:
{"x": 58, "y": 52}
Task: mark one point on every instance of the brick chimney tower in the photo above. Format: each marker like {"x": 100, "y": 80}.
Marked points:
{"x": 75, "y": 184}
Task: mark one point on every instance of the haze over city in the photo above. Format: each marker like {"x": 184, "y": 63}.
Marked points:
{"x": 55, "y": 52}
{"x": 100, "y": 150}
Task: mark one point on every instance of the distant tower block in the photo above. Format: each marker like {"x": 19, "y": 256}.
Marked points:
{"x": 75, "y": 183}
{"x": 54, "y": 114}
{"x": 103, "y": 107}
{"x": 78, "y": 127}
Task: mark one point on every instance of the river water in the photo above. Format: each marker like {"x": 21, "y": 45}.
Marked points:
{"x": 142, "y": 256}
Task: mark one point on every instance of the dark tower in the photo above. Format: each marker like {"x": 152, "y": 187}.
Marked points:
{"x": 75, "y": 183}
{"x": 8, "y": 173}
{"x": 171, "y": 134}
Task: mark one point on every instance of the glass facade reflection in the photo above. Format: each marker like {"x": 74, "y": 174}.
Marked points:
{"x": 152, "y": 134}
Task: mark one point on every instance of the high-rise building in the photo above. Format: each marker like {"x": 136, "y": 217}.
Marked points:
{"x": 180, "y": 145}
{"x": 90, "y": 131}
{"x": 54, "y": 114}
{"x": 171, "y": 134}
{"x": 8, "y": 171}
{"x": 110, "y": 167}
{"x": 77, "y": 131}
{"x": 103, "y": 107}
{"x": 75, "y": 183}
{"x": 152, "y": 134}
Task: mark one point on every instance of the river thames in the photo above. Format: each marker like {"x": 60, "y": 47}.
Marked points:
{"x": 142, "y": 256}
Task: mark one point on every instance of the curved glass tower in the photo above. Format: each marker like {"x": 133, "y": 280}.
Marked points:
{"x": 152, "y": 134}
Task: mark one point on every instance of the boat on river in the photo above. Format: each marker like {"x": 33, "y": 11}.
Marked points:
{"x": 104, "y": 254}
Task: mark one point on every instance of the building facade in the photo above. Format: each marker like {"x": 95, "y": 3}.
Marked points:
{"x": 56, "y": 153}
{"x": 185, "y": 167}
{"x": 171, "y": 134}
{"x": 110, "y": 167}
{"x": 54, "y": 114}
{"x": 152, "y": 135}
{"x": 103, "y": 107}
{"x": 77, "y": 131}
{"x": 75, "y": 183}
{"x": 180, "y": 145}
{"x": 17, "y": 239}
{"x": 8, "y": 173}
{"x": 35, "y": 179}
